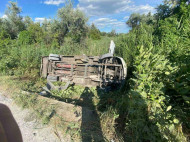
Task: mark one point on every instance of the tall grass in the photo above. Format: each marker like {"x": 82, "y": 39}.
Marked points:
{"x": 20, "y": 59}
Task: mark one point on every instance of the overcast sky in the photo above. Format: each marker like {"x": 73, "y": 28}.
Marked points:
{"x": 105, "y": 14}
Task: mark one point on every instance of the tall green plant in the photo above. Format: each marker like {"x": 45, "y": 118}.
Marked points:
{"x": 13, "y": 24}
{"x": 149, "y": 117}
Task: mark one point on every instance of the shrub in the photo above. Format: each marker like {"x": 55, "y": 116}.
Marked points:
{"x": 25, "y": 37}
{"x": 149, "y": 115}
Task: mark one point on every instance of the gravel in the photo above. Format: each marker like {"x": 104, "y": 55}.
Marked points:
{"x": 32, "y": 130}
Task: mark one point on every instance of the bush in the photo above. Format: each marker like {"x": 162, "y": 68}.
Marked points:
{"x": 94, "y": 33}
{"x": 149, "y": 115}
{"x": 25, "y": 37}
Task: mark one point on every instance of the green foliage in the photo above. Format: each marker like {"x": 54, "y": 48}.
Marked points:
{"x": 147, "y": 100}
{"x": 25, "y": 37}
{"x": 112, "y": 33}
{"x": 4, "y": 39}
{"x": 4, "y": 43}
{"x": 136, "y": 19}
{"x": 27, "y": 21}
{"x": 36, "y": 32}
{"x": 71, "y": 92}
{"x": 155, "y": 102}
{"x": 13, "y": 24}
{"x": 150, "y": 117}
{"x": 177, "y": 41}
{"x": 72, "y": 22}
{"x": 127, "y": 44}
{"x": 25, "y": 59}
{"x": 94, "y": 32}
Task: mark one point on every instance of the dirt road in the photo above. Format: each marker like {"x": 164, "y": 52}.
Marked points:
{"x": 32, "y": 130}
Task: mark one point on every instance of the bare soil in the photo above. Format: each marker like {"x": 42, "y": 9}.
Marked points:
{"x": 32, "y": 130}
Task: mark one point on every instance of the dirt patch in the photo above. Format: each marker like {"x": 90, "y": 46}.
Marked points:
{"x": 32, "y": 130}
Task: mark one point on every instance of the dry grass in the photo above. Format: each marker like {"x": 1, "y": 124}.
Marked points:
{"x": 49, "y": 111}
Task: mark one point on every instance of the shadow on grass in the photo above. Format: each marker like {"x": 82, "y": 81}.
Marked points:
{"x": 133, "y": 123}
{"x": 90, "y": 126}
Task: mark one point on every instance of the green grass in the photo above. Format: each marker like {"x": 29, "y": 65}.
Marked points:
{"x": 24, "y": 92}
{"x": 14, "y": 86}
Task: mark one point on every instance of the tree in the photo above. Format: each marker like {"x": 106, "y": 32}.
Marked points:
{"x": 112, "y": 33}
{"x": 169, "y": 8}
{"x": 36, "y": 32}
{"x": 56, "y": 31}
{"x": 26, "y": 37}
{"x": 51, "y": 30}
{"x": 28, "y": 21}
{"x": 148, "y": 19}
{"x": 1, "y": 23}
{"x": 94, "y": 32}
{"x": 103, "y": 33}
{"x": 46, "y": 25}
{"x": 13, "y": 24}
{"x": 72, "y": 21}
{"x": 136, "y": 19}
{"x": 163, "y": 11}
{"x": 172, "y": 3}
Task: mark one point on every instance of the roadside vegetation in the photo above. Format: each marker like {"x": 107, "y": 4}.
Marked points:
{"x": 154, "y": 103}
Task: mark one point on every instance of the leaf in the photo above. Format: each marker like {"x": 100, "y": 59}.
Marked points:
{"x": 176, "y": 121}
{"x": 184, "y": 91}
{"x": 168, "y": 108}
{"x": 167, "y": 73}
{"x": 186, "y": 98}
{"x": 144, "y": 94}
{"x": 172, "y": 127}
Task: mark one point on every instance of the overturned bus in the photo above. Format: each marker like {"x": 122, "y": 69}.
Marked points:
{"x": 103, "y": 71}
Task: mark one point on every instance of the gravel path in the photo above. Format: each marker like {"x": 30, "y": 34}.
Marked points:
{"x": 31, "y": 129}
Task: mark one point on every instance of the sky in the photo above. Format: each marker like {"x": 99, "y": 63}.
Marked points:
{"x": 105, "y": 14}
